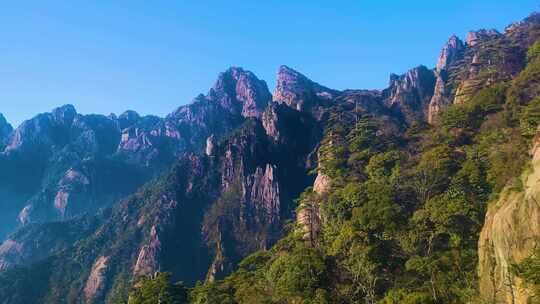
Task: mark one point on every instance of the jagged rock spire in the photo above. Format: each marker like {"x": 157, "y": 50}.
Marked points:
{"x": 297, "y": 91}
{"x": 238, "y": 88}
{"x": 64, "y": 114}
{"x": 451, "y": 52}
{"x": 410, "y": 93}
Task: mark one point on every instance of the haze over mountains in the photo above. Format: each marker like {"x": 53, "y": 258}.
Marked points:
{"x": 92, "y": 202}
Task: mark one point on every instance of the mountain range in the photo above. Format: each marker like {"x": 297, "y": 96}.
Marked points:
{"x": 92, "y": 203}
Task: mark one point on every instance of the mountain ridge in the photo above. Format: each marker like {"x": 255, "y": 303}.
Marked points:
{"x": 223, "y": 177}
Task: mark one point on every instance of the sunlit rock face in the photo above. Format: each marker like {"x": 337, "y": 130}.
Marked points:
{"x": 451, "y": 55}
{"x": 451, "y": 52}
{"x": 487, "y": 57}
{"x": 300, "y": 93}
{"x": 476, "y": 37}
{"x": 240, "y": 90}
{"x": 511, "y": 233}
{"x": 96, "y": 281}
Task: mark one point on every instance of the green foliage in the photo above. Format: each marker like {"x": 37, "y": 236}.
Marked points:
{"x": 530, "y": 117}
{"x": 401, "y": 222}
{"x": 524, "y": 87}
{"x": 472, "y": 114}
{"x": 297, "y": 274}
{"x": 158, "y": 289}
{"x": 456, "y": 117}
{"x": 401, "y": 296}
{"x": 529, "y": 271}
{"x": 533, "y": 52}
{"x": 211, "y": 293}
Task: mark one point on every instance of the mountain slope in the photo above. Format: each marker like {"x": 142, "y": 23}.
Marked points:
{"x": 399, "y": 219}
{"x": 309, "y": 195}
{"x": 62, "y": 164}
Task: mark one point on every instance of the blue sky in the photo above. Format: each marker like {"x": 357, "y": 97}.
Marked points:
{"x": 153, "y": 56}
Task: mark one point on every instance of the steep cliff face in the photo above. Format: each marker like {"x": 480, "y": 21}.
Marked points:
{"x": 451, "y": 52}
{"x": 263, "y": 169}
{"x": 247, "y": 215}
{"x": 299, "y": 92}
{"x": 5, "y": 131}
{"x": 450, "y": 57}
{"x": 409, "y": 95}
{"x": 511, "y": 232}
{"x": 241, "y": 91}
{"x": 487, "y": 57}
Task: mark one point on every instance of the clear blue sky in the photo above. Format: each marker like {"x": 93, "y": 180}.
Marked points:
{"x": 152, "y": 56}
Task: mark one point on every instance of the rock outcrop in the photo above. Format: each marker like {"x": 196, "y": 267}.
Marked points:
{"x": 322, "y": 183}
{"x": 451, "y": 52}
{"x": 487, "y": 57}
{"x": 237, "y": 88}
{"x": 511, "y": 233}
{"x": 148, "y": 258}
{"x": 300, "y": 93}
{"x": 210, "y": 149}
{"x": 409, "y": 94}
{"x": 308, "y": 217}
{"x": 525, "y": 32}
{"x": 97, "y": 280}
{"x": 476, "y": 37}
{"x": 450, "y": 57}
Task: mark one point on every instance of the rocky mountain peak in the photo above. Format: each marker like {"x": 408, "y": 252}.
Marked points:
{"x": 451, "y": 52}
{"x": 413, "y": 79}
{"x": 298, "y": 91}
{"x": 532, "y": 19}
{"x": 64, "y": 114}
{"x": 129, "y": 115}
{"x": 238, "y": 88}
{"x": 475, "y": 37}
{"x": 411, "y": 92}
{"x": 3, "y": 120}
{"x": 5, "y": 130}
{"x": 128, "y": 118}
{"x": 524, "y": 32}
{"x": 285, "y": 72}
